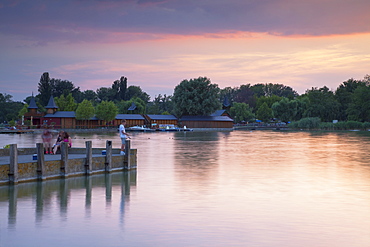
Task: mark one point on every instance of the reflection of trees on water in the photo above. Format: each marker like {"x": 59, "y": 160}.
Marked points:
{"x": 49, "y": 193}
{"x": 197, "y": 153}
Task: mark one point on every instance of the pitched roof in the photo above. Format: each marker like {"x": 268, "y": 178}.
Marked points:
{"x": 51, "y": 104}
{"x": 32, "y": 103}
{"x": 62, "y": 114}
{"x": 207, "y": 118}
{"x": 226, "y": 102}
{"x": 132, "y": 107}
{"x": 130, "y": 116}
{"x": 162, "y": 117}
{"x": 218, "y": 113}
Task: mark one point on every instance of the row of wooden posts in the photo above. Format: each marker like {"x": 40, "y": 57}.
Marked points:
{"x": 64, "y": 168}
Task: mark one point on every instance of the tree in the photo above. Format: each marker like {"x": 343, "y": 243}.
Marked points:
{"x": 359, "y": 109}
{"x": 135, "y": 91}
{"x": 90, "y": 95}
{"x": 64, "y": 87}
{"x": 343, "y": 95}
{"x": 241, "y": 112}
{"x": 196, "y": 97}
{"x": 245, "y": 94}
{"x": 269, "y": 89}
{"x": 23, "y": 111}
{"x": 264, "y": 113}
{"x": 123, "y": 106}
{"x": 66, "y": 103}
{"x": 120, "y": 88}
{"x": 106, "y": 111}
{"x": 105, "y": 94}
{"x": 85, "y": 110}
{"x": 285, "y": 109}
{"x": 160, "y": 104}
{"x": 269, "y": 100}
{"x": 8, "y": 108}
{"x": 45, "y": 89}
{"x": 322, "y": 104}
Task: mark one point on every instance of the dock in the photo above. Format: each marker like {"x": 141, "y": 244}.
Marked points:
{"x": 16, "y": 131}
{"x": 31, "y": 164}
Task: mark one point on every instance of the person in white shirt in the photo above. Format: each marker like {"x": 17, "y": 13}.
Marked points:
{"x": 123, "y": 136}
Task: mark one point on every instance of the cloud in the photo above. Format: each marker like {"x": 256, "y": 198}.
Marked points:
{"x": 124, "y": 21}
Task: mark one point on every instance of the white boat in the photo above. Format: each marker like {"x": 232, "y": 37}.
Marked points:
{"x": 139, "y": 128}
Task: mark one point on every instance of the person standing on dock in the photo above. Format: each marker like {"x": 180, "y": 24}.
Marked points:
{"x": 46, "y": 139}
{"x": 123, "y": 135}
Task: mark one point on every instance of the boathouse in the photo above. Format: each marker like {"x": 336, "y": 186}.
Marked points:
{"x": 214, "y": 122}
{"x": 156, "y": 121}
{"x": 131, "y": 120}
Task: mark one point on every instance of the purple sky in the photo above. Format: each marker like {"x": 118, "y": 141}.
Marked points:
{"x": 158, "y": 43}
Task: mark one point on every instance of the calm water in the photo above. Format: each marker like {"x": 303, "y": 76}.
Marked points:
{"x": 241, "y": 188}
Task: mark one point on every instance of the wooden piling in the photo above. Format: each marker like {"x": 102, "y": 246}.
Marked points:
{"x": 64, "y": 159}
{"x": 88, "y": 165}
{"x": 13, "y": 166}
{"x": 108, "y": 156}
{"x": 126, "y": 161}
{"x": 40, "y": 161}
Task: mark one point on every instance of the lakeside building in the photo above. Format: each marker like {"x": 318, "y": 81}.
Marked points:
{"x": 67, "y": 119}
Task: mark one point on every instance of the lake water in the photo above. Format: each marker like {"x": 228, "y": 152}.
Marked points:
{"x": 240, "y": 188}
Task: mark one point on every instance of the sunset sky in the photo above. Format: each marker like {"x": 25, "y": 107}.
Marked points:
{"x": 158, "y": 43}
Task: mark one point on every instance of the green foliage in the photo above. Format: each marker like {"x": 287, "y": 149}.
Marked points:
{"x": 11, "y": 123}
{"x": 241, "y": 112}
{"x": 306, "y": 123}
{"x": 353, "y": 125}
{"x": 44, "y": 88}
{"x": 196, "y": 97}
{"x": 285, "y": 109}
{"x": 106, "y": 111}
{"x": 270, "y": 89}
{"x": 9, "y": 109}
{"x": 366, "y": 125}
{"x": 123, "y": 106}
{"x": 23, "y": 111}
{"x": 269, "y": 100}
{"x": 359, "y": 109}
{"x": 344, "y": 93}
{"x": 244, "y": 94}
{"x": 90, "y": 95}
{"x": 85, "y": 110}
{"x": 105, "y": 94}
{"x": 160, "y": 104}
{"x": 120, "y": 89}
{"x": 264, "y": 113}
{"x": 322, "y": 104}
{"x": 135, "y": 91}
{"x": 327, "y": 126}
{"x": 66, "y": 103}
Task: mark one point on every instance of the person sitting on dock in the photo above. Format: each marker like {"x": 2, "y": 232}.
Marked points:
{"x": 68, "y": 139}
{"x": 58, "y": 141}
{"x": 46, "y": 139}
{"x": 123, "y": 135}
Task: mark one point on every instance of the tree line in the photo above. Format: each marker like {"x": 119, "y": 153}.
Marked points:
{"x": 199, "y": 96}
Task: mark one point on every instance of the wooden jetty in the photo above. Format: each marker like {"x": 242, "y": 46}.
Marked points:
{"x": 16, "y": 131}
{"x": 31, "y": 164}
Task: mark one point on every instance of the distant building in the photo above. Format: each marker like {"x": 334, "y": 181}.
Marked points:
{"x": 67, "y": 119}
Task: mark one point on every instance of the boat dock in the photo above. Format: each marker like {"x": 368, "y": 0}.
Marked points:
{"x": 31, "y": 164}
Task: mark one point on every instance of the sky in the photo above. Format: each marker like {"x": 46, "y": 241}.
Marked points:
{"x": 157, "y": 44}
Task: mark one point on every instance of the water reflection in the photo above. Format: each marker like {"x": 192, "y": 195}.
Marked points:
{"x": 49, "y": 193}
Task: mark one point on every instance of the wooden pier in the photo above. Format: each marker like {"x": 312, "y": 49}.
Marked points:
{"x": 30, "y": 164}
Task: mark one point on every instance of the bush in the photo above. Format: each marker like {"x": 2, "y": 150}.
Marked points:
{"x": 306, "y": 123}
{"x": 354, "y": 125}
{"x": 327, "y": 126}
{"x": 366, "y": 125}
